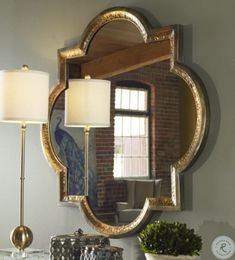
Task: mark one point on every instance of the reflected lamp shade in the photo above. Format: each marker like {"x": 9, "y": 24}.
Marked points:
{"x": 87, "y": 103}
{"x": 24, "y": 96}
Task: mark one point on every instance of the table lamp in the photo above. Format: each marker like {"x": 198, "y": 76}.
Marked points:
{"x": 23, "y": 100}
{"x": 87, "y": 105}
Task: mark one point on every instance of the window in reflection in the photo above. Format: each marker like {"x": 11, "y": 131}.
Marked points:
{"x": 131, "y": 138}
{"x": 130, "y": 99}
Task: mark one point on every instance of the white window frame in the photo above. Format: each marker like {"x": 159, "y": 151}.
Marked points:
{"x": 138, "y": 113}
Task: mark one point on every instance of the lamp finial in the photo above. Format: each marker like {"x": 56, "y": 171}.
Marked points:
{"x": 25, "y": 67}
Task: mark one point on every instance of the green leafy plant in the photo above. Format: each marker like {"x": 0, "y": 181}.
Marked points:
{"x": 167, "y": 238}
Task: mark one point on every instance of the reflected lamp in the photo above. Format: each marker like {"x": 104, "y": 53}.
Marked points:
{"x": 87, "y": 105}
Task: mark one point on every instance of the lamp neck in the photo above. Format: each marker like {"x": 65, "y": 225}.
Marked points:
{"x": 86, "y": 173}
{"x": 22, "y": 172}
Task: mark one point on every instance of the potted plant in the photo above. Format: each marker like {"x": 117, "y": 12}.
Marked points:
{"x": 164, "y": 240}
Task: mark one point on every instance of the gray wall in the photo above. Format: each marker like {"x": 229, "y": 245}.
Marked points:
{"x": 32, "y": 31}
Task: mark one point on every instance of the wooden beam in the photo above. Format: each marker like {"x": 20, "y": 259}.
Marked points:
{"x": 126, "y": 60}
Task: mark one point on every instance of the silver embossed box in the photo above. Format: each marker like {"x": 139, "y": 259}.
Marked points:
{"x": 104, "y": 252}
{"x": 68, "y": 247}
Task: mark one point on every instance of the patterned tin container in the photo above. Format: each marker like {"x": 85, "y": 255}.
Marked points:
{"x": 68, "y": 247}
{"x": 101, "y": 253}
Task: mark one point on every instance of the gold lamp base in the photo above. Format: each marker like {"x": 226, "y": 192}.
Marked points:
{"x": 21, "y": 237}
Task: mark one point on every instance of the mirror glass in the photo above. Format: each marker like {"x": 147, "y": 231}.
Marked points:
{"x": 153, "y": 120}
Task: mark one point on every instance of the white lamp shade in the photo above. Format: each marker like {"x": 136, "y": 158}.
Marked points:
{"x": 87, "y": 103}
{"x": 24, "y": 96}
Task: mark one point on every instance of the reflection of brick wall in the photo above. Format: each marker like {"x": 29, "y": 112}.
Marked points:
{"x": 164, "y": 132}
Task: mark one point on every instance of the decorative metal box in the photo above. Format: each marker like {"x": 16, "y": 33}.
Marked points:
{"x": 101, "y": 253}
{"x": 68, "y": 247}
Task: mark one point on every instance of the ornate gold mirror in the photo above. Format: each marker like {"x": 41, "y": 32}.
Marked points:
{"x": 159, "y": 122}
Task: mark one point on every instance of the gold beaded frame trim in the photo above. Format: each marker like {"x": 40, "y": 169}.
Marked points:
{"x": 172, "y": 35}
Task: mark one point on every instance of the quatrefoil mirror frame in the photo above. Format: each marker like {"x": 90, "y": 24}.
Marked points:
{"x": 170, "y": 37}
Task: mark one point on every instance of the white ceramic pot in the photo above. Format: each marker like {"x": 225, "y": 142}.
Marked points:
{"x": 169, "y": 257}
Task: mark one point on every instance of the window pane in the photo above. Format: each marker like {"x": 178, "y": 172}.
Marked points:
{"x": 126, "y": 126}
{"x": 118, "y": 126}
{"x": 142, "y": 101}
{"x": 125, "y": 99}
{"x": 144, "y": 147}
{"x": 118, "y": 166}
{"x": 118, "y": 147}
{"x": 135, "y": 167}
{"x": 134, "y": 100}
{"x": 118, "y": 96}
{"x": 136, "y": 146}
{"x": 135, "y": 126}
{"x": 143, "y": 162}
{"x": 127, "y": 167}
{"x": 127, "y": 146}
{"x": 131, "y": 99}
{"x": 143, "y": 126}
